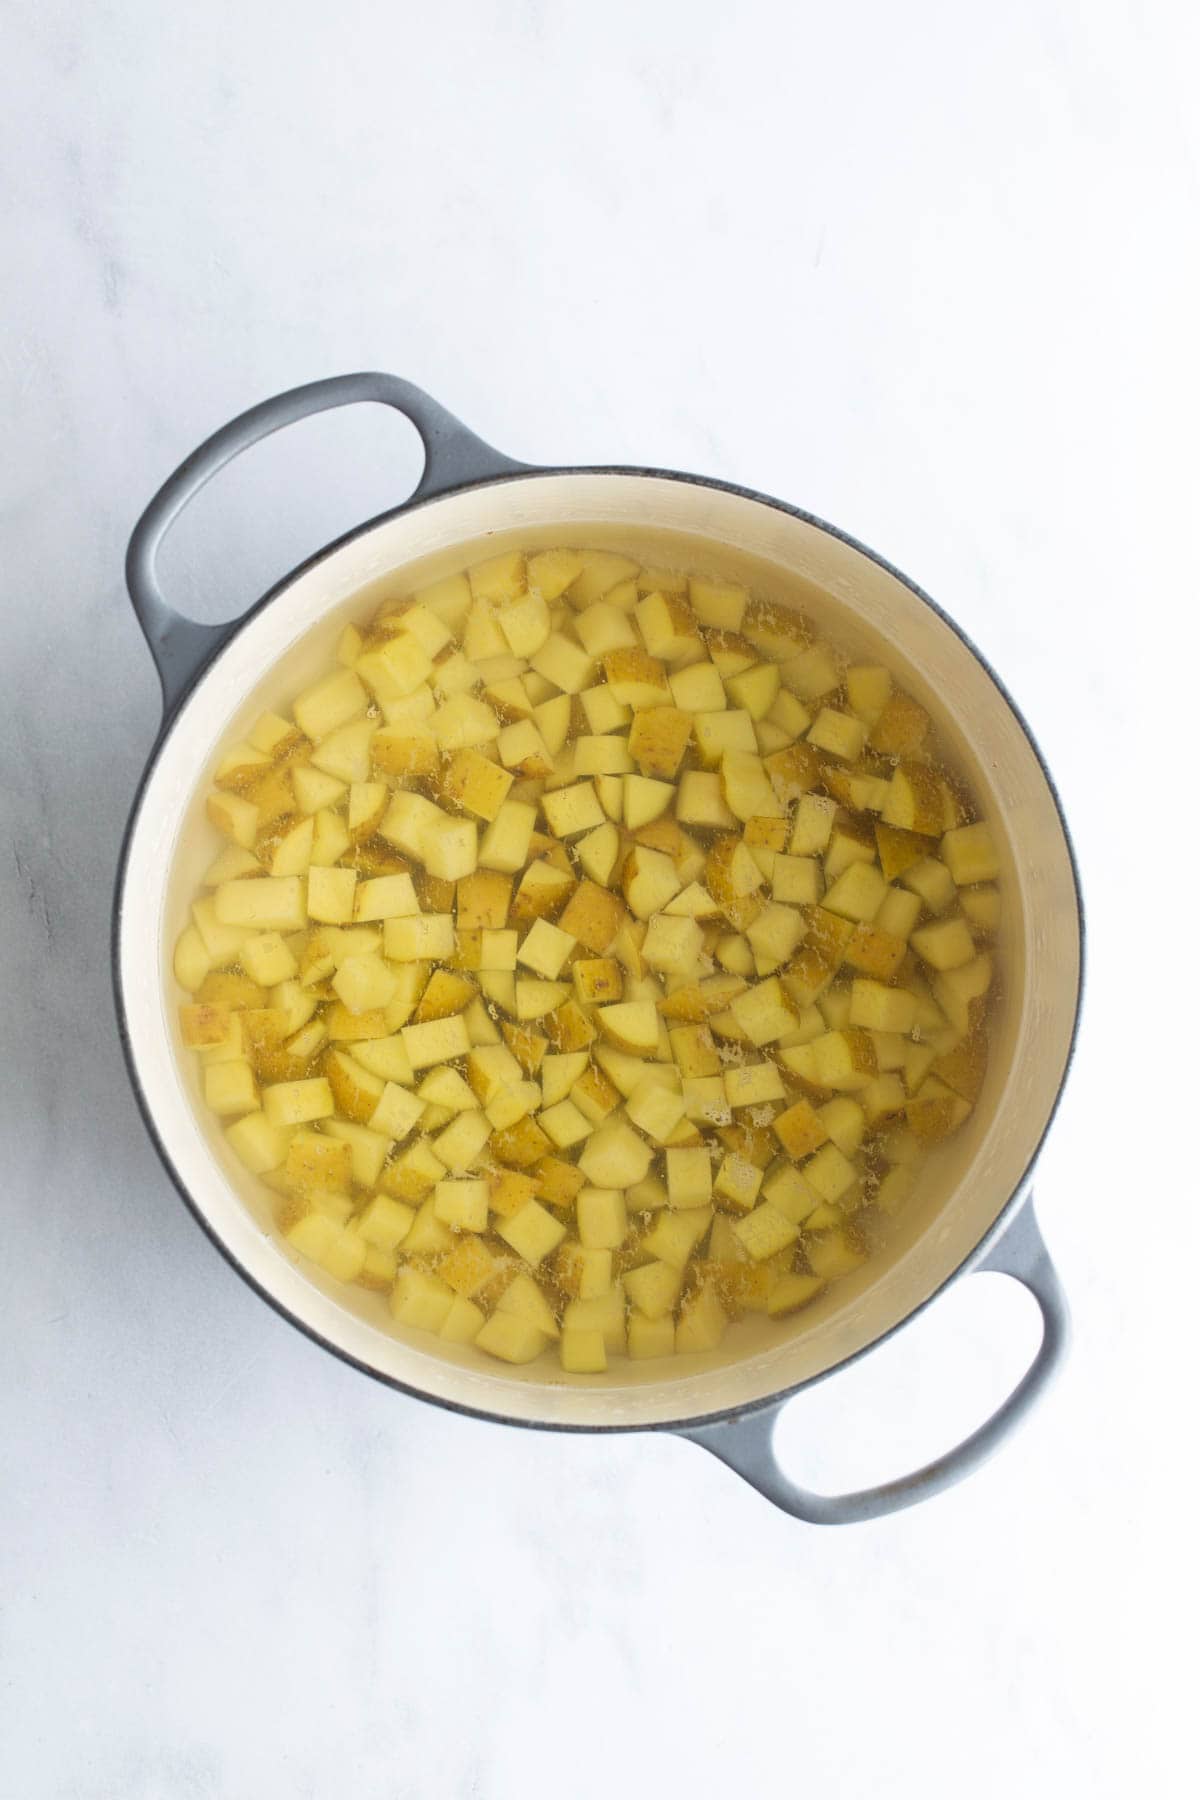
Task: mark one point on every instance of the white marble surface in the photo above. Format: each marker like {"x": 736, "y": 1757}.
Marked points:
{"x": 930, "y": 271}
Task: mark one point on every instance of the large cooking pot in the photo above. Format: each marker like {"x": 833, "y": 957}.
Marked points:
{"x": 975, "y": 1212}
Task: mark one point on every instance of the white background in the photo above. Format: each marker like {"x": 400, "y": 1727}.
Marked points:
{"x": 929, "y": 270}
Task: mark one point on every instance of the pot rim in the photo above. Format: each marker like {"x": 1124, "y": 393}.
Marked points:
{"x": 176, "y": 706}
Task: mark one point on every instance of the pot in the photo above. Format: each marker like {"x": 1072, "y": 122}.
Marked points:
{"x": 975, "y": 1211}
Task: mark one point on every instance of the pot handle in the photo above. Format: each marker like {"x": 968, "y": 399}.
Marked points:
{"x": 454, "y": 457}
{"x": 746, "y": 1443}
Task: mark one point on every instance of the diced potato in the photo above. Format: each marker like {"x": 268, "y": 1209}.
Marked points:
{"x": 463, "y": 1205}
{"x": 614, "y": 1156}
{"x": 259, "y": 1141}
{"x": 689, "y": 1182}
{"x": 651, "y": 1337}
{"x": 857, "y": 893}
{"x": 532, "y": 1232}
{"x": 702, "y": 1321}
{"x": 946, "y": 944}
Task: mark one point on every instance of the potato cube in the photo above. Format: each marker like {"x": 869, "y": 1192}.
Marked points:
{"x": 651, "y": 1337}
{"x": 598, "y": 980}
{"x": 396, "y": 1111}
{"x": 440, "y": 1040}
{"x": 510, "y": 1339}
{"x": 673, "y": 944}
{"x": 385, "y": 1222}
{"x": 839, "y": 733}
{"x": 813, "y": 826}
{"x": 463, "y": 1205}
{"x": 765, "y": 1231}
{"x": 461, "y": 1144}
{"x": 946, "y": 944}
{"x": 532, "y": 1232}
{"x": 773, "y": 936}
{"x": 385, "y": 897}
{"x": 615, "y": 1156}
{"x": 505, "y": 844}
{"x": 737, "y": 1182}
{"x": 565, "y": 665}
{"x": 605, "y": 1314}
{"x": 422, "y": 937}
{"x": 421, "y": 1299}
{"x": 329, "y": 703}
{"x": 658, "y": 738}
{"x": 632, "y": 1025}
{"x": 570, "y": 811}
{"x": 702, "y": 1321}
{"x": 545, "y": 949}
{"x": 636, "y": 679}
{"x": 674, "y": 1235}
{"x": 722, "y": 734}
{"x": 582, "y": 1352}
{"x": 970, "y": 854}
{"x": 654, "y": 1288}
{"x": 693, "y": 1050}
{"x": 699, "y": 800}
{"x": 649, "y": 880}
{"x": 791, "y": 1292}
{"x": 482, "y": 900}
{"x": 551, "y": 572}
{"x": 602, "y": 1222}
{"x": 656, "y": 1109}
{"x": 796, "y": 880}
{"x": 270, "y": 904}
{"x": 880, "y": 1008}
{"x": 830, "y": 1173}
{"x": 763, "y": 1013}
{"x": 564, "y": 1124}
{"x": 230, "y": 1088}
{"x": 363, "y": 983}
{"x": 296, "y": 1102}
{"x": 857, "y": 893}
{"x": 476, "y": 784}
{"x": 753, "y": 1084}
{"x": 689, "y": 1182}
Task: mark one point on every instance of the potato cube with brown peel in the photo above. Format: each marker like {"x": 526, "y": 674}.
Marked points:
{"x": 800, "y": 1130}
{"x": 478, "y": 785}
{"x": 658, "y": 739}
{"x": 915, "y": 801}
{"x": 844, "y": 1060}
{"x": 598, "y": 980}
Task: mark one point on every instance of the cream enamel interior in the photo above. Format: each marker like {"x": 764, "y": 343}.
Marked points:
{"x": 688, "y": 523}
